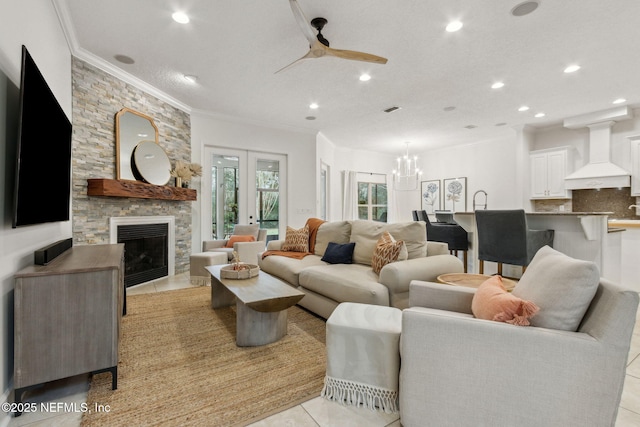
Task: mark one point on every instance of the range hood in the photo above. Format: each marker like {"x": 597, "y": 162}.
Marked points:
{"x": 600, "y": 172}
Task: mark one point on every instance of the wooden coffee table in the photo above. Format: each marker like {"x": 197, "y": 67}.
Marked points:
{"x": 261, "y": 305}
{"x": 472, "y": 280}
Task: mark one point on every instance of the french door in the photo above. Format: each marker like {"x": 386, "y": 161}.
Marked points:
{"x": 243, "y": 187}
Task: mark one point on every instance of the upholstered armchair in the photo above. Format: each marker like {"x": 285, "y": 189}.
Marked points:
{"x": 247, "y": 240}
{"x": 458, "y": 370}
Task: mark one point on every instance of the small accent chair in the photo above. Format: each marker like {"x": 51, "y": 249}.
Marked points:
{"x": 504, "y": 238}
{"x": 453, "y": 235}
{"x": 247, "y": 251}
{"x": 461, "y": 371}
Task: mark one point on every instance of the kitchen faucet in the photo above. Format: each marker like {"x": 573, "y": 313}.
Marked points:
{"x": 634, "y": 206}
{"x": 485, "y": 199}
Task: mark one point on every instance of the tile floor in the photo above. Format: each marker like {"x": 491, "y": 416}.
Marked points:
{"x": 316, "y": 412}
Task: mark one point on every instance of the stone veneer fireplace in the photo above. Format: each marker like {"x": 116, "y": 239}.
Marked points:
{"x": 149, "y": 246}
{"x": 97, "y": 97}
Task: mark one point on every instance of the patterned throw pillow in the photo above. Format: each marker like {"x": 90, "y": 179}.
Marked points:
{"x": 296, "y": 240}
{"x": 387, "y": 251}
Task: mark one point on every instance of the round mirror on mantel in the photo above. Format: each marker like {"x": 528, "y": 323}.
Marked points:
{"x": 150, "y": 163}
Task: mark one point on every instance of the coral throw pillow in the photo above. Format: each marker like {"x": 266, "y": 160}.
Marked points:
{"x": 493, "y": 302}
{"x": 387, "y": 251}
{"x": 296, "y": 240}
{"x": 239, "y": 238}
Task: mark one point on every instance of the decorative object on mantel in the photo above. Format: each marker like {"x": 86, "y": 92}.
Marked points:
{"x": 132, "y": 127}
{"x": 239, "y": 270}
{"x": 406, "y": 174}
{"x": 150, "y": 163}
{"x": 137, "y": 189}
{"x": 183, "y": 172}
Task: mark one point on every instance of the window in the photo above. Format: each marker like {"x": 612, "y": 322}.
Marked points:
{"x": 372, "y": 201}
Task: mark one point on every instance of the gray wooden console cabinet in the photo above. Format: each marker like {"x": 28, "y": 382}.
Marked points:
{"x": 67, "y": 316}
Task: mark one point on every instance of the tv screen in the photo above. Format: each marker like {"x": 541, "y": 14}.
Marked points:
{"x": 43, "y": 168}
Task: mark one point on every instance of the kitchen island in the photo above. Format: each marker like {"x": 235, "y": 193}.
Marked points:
{"x": 582, "y": 235}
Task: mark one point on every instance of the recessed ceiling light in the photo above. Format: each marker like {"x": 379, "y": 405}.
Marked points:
{"x": 572, "y": 68}
{"x": 124, "y": 59}
{"x": 538, "y": 115}
{"x": 450, "y": 108}
{"x": 525, "y": 8}
{"x": 310, "y": 118}
{"x": 523, "y": 108}
{"x": 365, "y": 77}
{"x": 453, "y": 26}
{"x": 190, "y": 78}
{"x": 470, "y": 126}
{"x": 497, "y": 85}
{"x": 180, "y": 17}
{"x": 501, "y": 124}
{"x": 619, "y": 101}
{"x": 313, "y": 105}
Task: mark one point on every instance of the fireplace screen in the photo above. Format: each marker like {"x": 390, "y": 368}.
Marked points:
{"x": 145, "y": 252}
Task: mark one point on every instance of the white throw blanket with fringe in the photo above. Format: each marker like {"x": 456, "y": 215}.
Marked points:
{"x": 355, "y": 393}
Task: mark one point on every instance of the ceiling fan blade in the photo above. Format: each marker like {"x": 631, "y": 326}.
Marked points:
{"x": 296, "y": 62}
{"x": 303, "y": 22}
{"x": 355, "y": 56}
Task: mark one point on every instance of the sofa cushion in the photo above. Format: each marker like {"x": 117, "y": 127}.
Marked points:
{"x": 335, "y": 231}
{"x": 365, "y": 234}
{"x": 345, "y": 283}
{"x": 296, "y": 240}
{"x": 387, "y": 251}
{"x": 492, "y": 302}
{"x": 339, "y": 253}
{"x": 287, "y": 268}
{"x": 561, "y": 286}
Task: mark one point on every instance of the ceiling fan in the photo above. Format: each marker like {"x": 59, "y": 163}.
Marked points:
{"x": 319, "y": 46}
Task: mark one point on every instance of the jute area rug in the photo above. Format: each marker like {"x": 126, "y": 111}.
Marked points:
{"x": 180, "y": 366}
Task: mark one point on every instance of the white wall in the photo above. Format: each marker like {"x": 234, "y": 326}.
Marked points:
{"x": 491, "y": 166}
{"x": 33, "y": 23}
{"x": 300, "y": 148}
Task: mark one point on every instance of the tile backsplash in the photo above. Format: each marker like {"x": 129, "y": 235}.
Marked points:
{"x": 604, "y": 200}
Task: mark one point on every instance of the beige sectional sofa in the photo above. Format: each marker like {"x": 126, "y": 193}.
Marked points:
{"x": 326, "y": 285}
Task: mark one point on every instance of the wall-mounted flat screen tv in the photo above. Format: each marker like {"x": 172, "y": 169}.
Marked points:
{"x": 43, "y": 167}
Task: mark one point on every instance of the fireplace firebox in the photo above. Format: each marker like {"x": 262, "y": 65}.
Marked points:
{"x": 145, "y": 252}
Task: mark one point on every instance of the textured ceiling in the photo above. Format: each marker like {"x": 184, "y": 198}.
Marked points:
{"x": 235, "y": 47}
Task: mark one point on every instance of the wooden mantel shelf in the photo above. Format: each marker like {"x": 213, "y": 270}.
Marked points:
{"x": 137, "y": 189}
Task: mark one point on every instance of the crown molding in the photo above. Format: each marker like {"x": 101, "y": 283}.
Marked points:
{"x": 72, "y": 41}
{"x": 253, "y": 122}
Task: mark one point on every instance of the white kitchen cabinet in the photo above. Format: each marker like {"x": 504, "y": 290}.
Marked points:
{"x": 548, "y": 170}
{"x": 635, "y": 165}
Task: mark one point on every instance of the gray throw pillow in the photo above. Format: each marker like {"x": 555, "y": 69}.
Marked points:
{"x": 561, "y": 286}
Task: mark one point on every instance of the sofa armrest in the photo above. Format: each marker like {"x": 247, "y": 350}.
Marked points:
{"x": 213, "y": 244}
{"x": 437, "y": 248}
{"x": 469, "y": 359}
{"x": 440, "y": 296}
{"x": 274, "y": 245}
{"x": 249, "y": 251}
{"x": 397, "y": 275}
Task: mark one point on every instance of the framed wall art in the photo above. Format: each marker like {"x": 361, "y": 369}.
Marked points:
{"x": 430, "y": 195}
{"x": 455, "y": 194}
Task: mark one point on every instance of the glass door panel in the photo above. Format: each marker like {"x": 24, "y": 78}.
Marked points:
{"x": 245, "y": 188}
{"x": 267, "y": 172}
